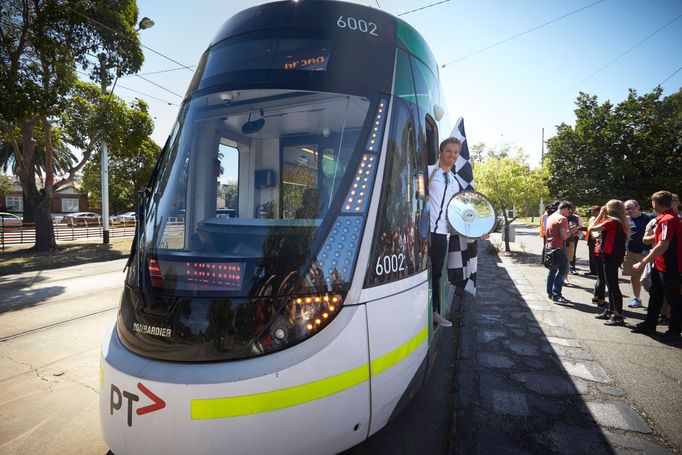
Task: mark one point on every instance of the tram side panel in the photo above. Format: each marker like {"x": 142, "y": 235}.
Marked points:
{"x": 310, "y": 399}
{"x": 397, "y": 349}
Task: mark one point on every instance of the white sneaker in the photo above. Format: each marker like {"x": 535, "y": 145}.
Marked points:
{"x": 440, "y": 320}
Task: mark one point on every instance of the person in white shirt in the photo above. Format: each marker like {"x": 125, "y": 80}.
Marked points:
{"x": 442, "y": 186}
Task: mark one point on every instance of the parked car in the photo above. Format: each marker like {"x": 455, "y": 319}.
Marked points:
{"x": 226, "y": 213}
{"x": 82, "y": 219}
{"x": 9, "y": 219}
{"x": 56, "y": 218}
{"x": 128, "y": 216}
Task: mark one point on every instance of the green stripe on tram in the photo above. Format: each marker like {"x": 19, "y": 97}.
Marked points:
{"x": 220, "y": 408}
{"x": 386, "y": 361}
{"x": 217, "y": 408}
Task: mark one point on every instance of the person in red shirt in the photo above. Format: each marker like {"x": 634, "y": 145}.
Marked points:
{"x": 556, "y": 232}
{"x": 615, "y": 230}
{"x": 666, "y": 256}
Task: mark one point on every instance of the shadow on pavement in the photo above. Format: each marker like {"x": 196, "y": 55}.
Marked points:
{"x": 25, "y": 260}
{"x": 424, "y": 426}
{"x": 25, "y": 298}
{"x": 525, "y": 383}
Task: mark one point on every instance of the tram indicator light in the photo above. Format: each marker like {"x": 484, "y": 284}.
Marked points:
{"x": 196, "y": 276}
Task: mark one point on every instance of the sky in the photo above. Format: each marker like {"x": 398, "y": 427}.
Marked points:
{"x": 512, "y": 68}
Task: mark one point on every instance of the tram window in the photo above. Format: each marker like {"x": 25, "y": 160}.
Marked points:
{"x": 404, "y": 84}
{"x": 397, "y": 246}
{"x": 431, "y": 139}
{"x": 251, "y": 166}
{"x": 426, "y": 86}
{"x": 300, "y": 192}
{"x": 227, "y": 192}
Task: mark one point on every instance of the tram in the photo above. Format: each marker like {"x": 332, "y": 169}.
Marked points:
{"x": 277, "y": 298}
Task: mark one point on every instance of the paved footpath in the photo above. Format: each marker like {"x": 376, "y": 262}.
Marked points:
{"x": 526, "y": 384}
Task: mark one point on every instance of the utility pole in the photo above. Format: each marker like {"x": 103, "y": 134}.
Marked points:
{"x": 104, "y": 162}
{"x": 145, "y": 23}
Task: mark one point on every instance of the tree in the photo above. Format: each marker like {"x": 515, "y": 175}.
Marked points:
{"x": 509, "y": 182}
{"x": 630, "y": 150}
{"x": 129, "y": 171}
{"x": 126, "y": 130}
{"x": 63, "y": 158}
{"x": 41, "y": 42}
{"x": 5, "y": 184}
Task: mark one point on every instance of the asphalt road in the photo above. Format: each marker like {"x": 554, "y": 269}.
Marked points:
{"x": 648, "y": 371}
{"x": 51, "y": 328}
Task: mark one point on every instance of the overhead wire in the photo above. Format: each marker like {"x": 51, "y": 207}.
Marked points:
{"x": 119, "y": 34}
{"x": 147, "y": 95}
{"x": 147, "y": 80}
{"x": 521, "y": 34}
{"x": 156, "y": 72}
{"x": 136, "y": 75}
{"x": 669, "y": 77}
{"x": 639, "y": 43}
{"x": 136, "y": 91}
{"x": 423, "y": 7}
{"x": 158, "y": 85}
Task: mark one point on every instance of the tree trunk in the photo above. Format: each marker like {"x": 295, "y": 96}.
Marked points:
{"x": 507, "y": 248}
{"x": 28, "y": 210}
{"x": 45, "y": 240}
{"x": 36, "y": 202}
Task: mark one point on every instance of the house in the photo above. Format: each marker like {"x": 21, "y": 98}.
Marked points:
{"x": 68, "y": 199}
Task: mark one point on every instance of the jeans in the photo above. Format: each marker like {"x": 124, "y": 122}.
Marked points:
{"x": 664, "y": 284}
{"x": 556, "y": 277}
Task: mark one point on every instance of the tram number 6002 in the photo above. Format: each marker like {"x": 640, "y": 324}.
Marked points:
{"x": 360, "y": 25}
{"x": 390, "y": 264}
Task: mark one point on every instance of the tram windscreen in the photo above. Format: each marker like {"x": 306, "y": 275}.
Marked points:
{"x": 245, "y": 186}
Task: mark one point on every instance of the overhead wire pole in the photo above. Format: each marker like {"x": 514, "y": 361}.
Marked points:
{"x": 145, "y": 23}
{"x": 104, "y": 168}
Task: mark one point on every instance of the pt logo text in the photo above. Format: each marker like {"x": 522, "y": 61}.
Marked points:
{"x": 116, "y": 401}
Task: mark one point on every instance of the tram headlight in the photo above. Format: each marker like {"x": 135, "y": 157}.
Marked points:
{"x": 299, "y": 318}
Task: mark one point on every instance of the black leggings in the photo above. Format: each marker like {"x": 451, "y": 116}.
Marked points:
{"x": 438, "y": 251}
{"x": 611, "y": 266}
{"x": 600, "y": 284}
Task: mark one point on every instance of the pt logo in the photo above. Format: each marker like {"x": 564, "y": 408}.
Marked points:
{"x": 116, "y": 401}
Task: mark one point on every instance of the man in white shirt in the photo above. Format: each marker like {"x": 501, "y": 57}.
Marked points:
{"x": 442, "y": 186}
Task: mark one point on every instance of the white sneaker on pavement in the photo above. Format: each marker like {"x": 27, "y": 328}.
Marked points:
{"x": 440, "y": 320}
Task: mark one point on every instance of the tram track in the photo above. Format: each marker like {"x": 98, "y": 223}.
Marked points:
{"x": 55, "y": 324}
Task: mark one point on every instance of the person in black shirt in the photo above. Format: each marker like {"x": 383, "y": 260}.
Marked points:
{"x": 635, "y": 249}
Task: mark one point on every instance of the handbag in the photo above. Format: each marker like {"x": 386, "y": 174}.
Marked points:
{"x": 551, "y": 258}
{"x": 645, "y": 279}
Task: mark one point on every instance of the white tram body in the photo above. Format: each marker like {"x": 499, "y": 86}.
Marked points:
{"x": 278, "y": 298}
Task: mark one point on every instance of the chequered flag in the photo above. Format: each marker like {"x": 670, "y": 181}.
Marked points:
{"x": 462, "y": 251}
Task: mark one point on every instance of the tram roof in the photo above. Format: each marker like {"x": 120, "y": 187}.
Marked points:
{"x": 321, "y": 14}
